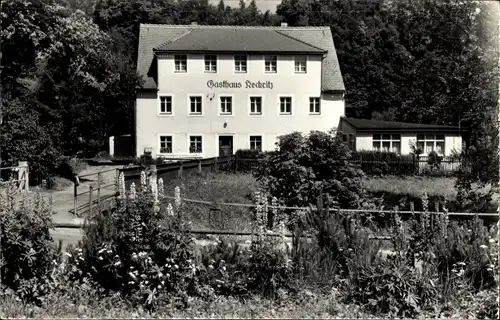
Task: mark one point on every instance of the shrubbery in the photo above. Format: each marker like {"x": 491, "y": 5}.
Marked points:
{"x": 28, "y": 254}
{"x": 385, "y": 163}
{"x": 142, "y": 254}
{"x": 305, "y": 166}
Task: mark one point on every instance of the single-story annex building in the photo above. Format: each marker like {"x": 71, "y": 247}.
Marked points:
{"x": 376, "y": 135}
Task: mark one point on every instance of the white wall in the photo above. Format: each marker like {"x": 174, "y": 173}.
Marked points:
{"x": 299, "y": 86}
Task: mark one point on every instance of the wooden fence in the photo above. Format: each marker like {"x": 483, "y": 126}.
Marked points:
{"x": 19, "y": 175}
{"x": 180, "y": 168}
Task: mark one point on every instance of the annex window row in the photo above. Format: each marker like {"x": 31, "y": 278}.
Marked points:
{"x": 226, "y": 104}
{"x": 240, "y": 63}
{"x": 166, "y": 143}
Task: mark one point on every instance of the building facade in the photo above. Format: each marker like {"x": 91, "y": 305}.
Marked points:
{"x": 211, "y": 90}
{"x": 398, "y": 137}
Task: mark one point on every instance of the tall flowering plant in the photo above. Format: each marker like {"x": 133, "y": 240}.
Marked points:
{"x": 143, "y": 250}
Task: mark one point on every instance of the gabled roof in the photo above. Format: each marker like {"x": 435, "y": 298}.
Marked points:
{"x": 310, "y": 40}
{"x": 391, "y": 126}
{"x": 237, "y": 40}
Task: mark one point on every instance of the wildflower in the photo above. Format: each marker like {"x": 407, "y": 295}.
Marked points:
{"x": 483, "y": 246}
{"x": 132, "y": 276}
{"x": 492, "y": 241}
{"x": 143, "y": 181}
{"x": 461, "y": 263}
{"x": 162, "y": 282}
{"x": 121, "y": 184}
{"x": 159, "y": 286}
{"x": 176, "y": 267}
{"x": 134, "y": 257}
{"x": 67, "y": 254}
{"x": 101, "y": 251}
{"x": 177, "y": 194}
{"x": 161, "y": 190}
{"x": 489, "y": 269}
{"x": 133, "y": 191}
{"x": 210, "y": 266}
{"x": 160, "y": 275}
{"x": 224, "y": 268}
{"x": 170, "y": 210}
{"x": 117, "y": 264}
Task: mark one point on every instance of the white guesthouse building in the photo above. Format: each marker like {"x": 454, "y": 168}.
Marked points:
{"x": 211, "y": 90}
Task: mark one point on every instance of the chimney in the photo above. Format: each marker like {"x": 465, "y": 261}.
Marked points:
{"x": 194, "y": 23}
{"x": 284, "y": 24}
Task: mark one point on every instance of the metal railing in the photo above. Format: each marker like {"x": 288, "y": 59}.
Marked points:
{"x": 99, "y": 199}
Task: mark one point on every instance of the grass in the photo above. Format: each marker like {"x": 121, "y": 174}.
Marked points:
{"x": 414, "y": 186}
{"x": 306, "y": 304}
{"x": 221, "y": 187}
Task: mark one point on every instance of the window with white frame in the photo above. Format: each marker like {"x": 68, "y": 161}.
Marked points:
{"x": 226, "y": 105}
{"x": 431, "y": 142}
{"x": 211, "y": 63}
{"x": 271, "y": 64}
{"x": 300, "y": 64}
{"x": 240, "y": 63}
{"x": 195, "y": 144}
{"x": 314, "y": 105}
{"x": 180, "y": 61}
{"x": 255, "y": 105}
{"x": 165, "y": 104}
{"x": 387, "y": 143}
{"x": 195, "y": 106}
{"x": 285, "y": 105}
{"x": 256, "y": 143}
{"x": 166, "y": 144}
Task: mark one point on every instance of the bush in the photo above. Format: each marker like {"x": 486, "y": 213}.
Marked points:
{"x": 28, "y": 253}
{"x": 305, "y": 166}
{"x": 248, "y": 160}
{"x": 386, "y": 287}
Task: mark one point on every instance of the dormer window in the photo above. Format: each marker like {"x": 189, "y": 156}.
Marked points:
{"x": 180, "y": 61}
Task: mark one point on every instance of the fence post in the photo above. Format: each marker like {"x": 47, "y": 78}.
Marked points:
{"x": 75, "y": 197}
{"x": 236, "y": 162}
{"x": 179, "y": 173}
{"x": 23, "y": 174}
{"x": 199, "y": 165}
{"x": 99, "y": 190}
{"x": 91, "y": 190}
{"x": 216, "y": 166}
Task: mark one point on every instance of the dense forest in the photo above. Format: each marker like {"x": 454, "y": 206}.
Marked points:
{"x": 68, "y": 66}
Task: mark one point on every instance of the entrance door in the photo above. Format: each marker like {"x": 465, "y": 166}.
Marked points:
{"x": 225, "y": 146}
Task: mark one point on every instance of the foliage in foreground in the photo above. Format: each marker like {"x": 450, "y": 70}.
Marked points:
{"x": 28, "y": 254}
{"x": 142, "y": 256}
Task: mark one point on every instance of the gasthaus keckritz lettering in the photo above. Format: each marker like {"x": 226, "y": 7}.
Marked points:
{"x": 238, "y": 85}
